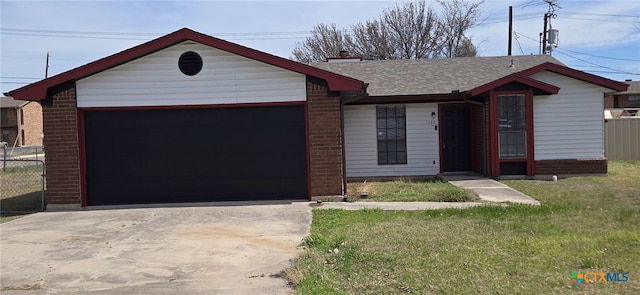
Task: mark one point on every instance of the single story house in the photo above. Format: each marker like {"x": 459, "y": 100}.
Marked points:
{"x": 189, "y": 118}
{"x": 20, "y": 122}
{"x": 625, "y": 103}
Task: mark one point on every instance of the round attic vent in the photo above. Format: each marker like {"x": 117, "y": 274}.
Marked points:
{"x": 190, "y": 63}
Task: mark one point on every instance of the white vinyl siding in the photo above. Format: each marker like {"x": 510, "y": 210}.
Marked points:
{"x": 156, "y": 80}
{"x": 569, "y": 125}
{"x": 361, "y": 142}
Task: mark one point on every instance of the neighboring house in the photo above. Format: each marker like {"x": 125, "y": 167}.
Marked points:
{"x": 20, "y": 122}
{"x": 624, "y": 103}
{"x": 254, "y": 126}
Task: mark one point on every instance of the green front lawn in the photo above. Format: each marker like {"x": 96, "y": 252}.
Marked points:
{"x": 585, "y": 224}
{"x": 402, "y": 190}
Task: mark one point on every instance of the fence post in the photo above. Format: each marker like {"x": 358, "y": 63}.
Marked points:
{"x": 42, "y": 176}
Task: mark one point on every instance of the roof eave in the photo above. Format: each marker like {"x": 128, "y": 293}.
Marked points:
{"x": 576, "y": 74}
{"x": 538, "y": 85}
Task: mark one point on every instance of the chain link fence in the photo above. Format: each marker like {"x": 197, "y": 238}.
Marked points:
{"x": 22, "y": 186}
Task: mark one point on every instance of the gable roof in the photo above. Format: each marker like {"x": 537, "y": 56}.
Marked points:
{"x": 634, "y": 88}
{"x": 463, "y": 74}
{"x": 9, "y": 102}
{"x": 38, "y": 90}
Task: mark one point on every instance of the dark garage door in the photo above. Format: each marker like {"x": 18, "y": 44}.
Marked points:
{"x": 195, "y": 155}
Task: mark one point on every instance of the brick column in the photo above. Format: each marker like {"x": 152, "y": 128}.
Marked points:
{"x": 61, "y": 148}
{"x": 325, "y": 139}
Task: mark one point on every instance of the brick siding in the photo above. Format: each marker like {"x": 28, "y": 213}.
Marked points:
{"x": 608, "y": 101}
{"x": 32, "y": 126}
{"x": 61, "y": 147}
{"x": 571, "y": 166}
{"x": 9, "y": 122}
{"x": 325, "y": 139}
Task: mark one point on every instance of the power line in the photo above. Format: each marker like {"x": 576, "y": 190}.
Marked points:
{"x": 58, "y": 32}
{"x": 21, "y": 78}
{"x": 601, "y": 14}
{"x": 599, "y": 56}
{"x": 138, "y": 39}
{"x": 595, "y": 64}
{"x": 600, "y": 20}
{"x": 506, "y": 20}
{"x": 611, "y": 72}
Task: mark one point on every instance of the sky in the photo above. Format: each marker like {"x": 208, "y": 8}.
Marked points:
{"x": 598, "y": 37}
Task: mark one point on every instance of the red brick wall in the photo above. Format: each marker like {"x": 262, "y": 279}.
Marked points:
{"x": 61, "y": 147}
{"x": 325, "y": 139}
{"x": 608, "y": 101}
{"x": 571, "y": 166}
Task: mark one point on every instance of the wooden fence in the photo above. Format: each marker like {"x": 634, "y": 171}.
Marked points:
{"x": 622, "y": 139}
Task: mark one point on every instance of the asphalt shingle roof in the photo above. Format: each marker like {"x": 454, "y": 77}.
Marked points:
{"x": 634, "y": 88}
{"x": 9, "y": 102}
{"x": 432, "y": 76}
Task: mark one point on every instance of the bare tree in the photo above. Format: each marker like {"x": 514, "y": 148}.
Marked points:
{"x": 325, "y": 41}
{"x": 413, "y": 28}
{"x": 371, "y": 40}
{"x": 458, "y": 16}
{"x": 405, "y": 31}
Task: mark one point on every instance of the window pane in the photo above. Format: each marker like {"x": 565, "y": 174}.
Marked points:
{"x": 512, "y": 144}
{"x": 391, "y": 146}
{"x": 391, "y": 132}
{"x": 382, "y": 158}
{"x": 512, "y": 126}
{"x": 382, "y": 133}
{"x": 402, "y": 157}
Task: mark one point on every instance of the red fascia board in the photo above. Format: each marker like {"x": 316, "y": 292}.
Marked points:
{"x": 576, "y": 74}
{"x": 409, "y": 99}
{"x": 548, "y": 88}
{"x": 38, "y": 90}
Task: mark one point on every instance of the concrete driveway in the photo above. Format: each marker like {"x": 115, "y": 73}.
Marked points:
{"x": 180, "y": 250}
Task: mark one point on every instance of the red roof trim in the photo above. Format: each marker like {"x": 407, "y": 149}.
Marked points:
{"x": 548, "y": 88}
{"x": 409, "y": 99}
{"x": 576, "y": 74}
{"x": 38, "y": 90}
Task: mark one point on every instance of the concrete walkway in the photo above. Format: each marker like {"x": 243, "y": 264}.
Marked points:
{"x": 489, "y": 189}
{"x": 395, "y": 205}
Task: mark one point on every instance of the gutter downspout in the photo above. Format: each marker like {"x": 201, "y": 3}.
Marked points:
{"x": 362, "y": 94}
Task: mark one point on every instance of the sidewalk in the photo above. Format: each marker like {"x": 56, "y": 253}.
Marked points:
{"x": 489, "y": 189}
{"x": 395, "y": 205}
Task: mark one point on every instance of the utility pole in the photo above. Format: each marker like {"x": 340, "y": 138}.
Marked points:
{"x": 544, "y": 34}
{"x": 510, "y": 29}
{"x": 547, "y": 19}
{"x": 46, "y": 67}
